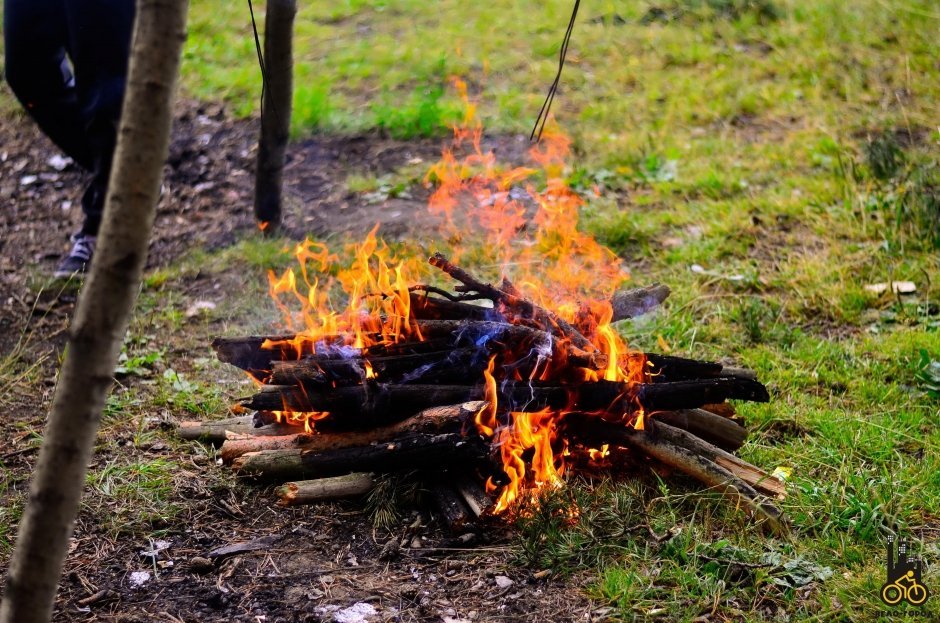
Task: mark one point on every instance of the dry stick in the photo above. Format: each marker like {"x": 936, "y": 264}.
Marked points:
{"x": 542, "y": 316}
{"x": 420, "y": 451}
{"x": 217, "y": 431}
{"x": 324, "y": 489}
{"x": 102, "y": 314}
{"x": 433, "y": 420}
{"x": 686, "y": 460}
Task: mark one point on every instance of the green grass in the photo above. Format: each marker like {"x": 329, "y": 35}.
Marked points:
{"x": 788, "y": 148}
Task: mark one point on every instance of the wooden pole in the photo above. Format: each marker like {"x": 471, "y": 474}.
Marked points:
{"x": 102, "y": 314}
{"x": 276, "y": 111}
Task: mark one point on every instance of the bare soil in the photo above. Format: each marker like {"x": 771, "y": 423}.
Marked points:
{"x": 319, "y": 561}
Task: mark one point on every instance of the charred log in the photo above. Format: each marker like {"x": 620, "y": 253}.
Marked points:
{"x": 414, "y": 452}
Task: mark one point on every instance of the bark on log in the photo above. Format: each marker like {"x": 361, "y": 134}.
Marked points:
{"x": 216, "y": 432}
{"x": 751, "y": 474}
{"x": 430, "y": 421}
{"x": 103, "y": 311}
{"x": 655, "y": 444}
{"x": 324, "y": 489}
{"x": 234, "y": 448}
{"x": 413, "y": 452}
{"x": 633, "y": 303}
{"x": 715, "y": 429}
{"x": 278, "y": 70}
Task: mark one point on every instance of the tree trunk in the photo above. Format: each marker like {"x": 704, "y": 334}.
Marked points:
{"x": 102, "y": 315}
{"x": 276, "y": 113}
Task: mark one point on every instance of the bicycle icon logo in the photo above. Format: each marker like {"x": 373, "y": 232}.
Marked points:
{"x": 904, "y": 576}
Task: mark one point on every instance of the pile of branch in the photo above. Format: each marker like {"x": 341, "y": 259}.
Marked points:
{"x": 411, "y": 405}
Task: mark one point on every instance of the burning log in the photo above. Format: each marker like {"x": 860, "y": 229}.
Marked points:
{"x": 515, "y": 304}
{"x": 324, "y": 489}
{"x": 442, "y": 337}
{"x": 372, "y": 401}
{"x": 412, "y": 452}
{"x": 377, "y": 407}
{"x": 429, "y": 421}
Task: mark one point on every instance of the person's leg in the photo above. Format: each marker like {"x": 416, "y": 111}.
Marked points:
{"x": 99, "y": 46}
{"x": 35, "y": 41}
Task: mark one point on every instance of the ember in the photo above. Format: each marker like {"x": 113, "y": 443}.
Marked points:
{"x": 511, "y": 384}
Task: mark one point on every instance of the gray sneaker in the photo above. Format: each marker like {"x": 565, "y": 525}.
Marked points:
{"x": 78, "y": 259}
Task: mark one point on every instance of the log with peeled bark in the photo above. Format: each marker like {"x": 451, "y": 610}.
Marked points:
{"x": 662, "y": 442}
{"x": 218, "y": 431}
{"x": 324, "y": 489}
{"x": 751, "y": 474}
{"x": 716, "y": 429}
{"x": 375, "y": 401}
{"x": 419, "y": 451}
{"x": 449, "y": 418}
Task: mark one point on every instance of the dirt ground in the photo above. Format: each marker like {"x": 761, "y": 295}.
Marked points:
{"x": 320, "y": 563}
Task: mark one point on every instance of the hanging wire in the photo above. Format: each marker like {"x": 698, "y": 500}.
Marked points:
{"x": 542, "y": 118}
{"x": 261, "y": 65}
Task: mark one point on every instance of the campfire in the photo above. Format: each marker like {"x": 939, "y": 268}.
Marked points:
{"x": 489, "y": 390}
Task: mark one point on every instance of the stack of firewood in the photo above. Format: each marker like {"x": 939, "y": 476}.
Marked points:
{"x": 413, "y": 404}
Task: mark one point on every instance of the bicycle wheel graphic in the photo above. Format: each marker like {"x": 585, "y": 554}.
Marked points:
{"x": 917, "y": 594}
{"x": 891, "y": 594}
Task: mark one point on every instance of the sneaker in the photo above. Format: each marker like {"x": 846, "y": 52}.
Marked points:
{"x": 76, "y": 262}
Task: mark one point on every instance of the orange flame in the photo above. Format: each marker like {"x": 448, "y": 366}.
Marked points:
{"x": 520, "y": 223}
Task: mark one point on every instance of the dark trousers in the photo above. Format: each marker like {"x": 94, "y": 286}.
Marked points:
{"x": 66, "y": 62}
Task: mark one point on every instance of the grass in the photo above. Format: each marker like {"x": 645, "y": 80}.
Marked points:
{"x": 787, "y": 149}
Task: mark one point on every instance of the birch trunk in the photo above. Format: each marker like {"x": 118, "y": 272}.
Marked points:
{"x": 101, "y": 316}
